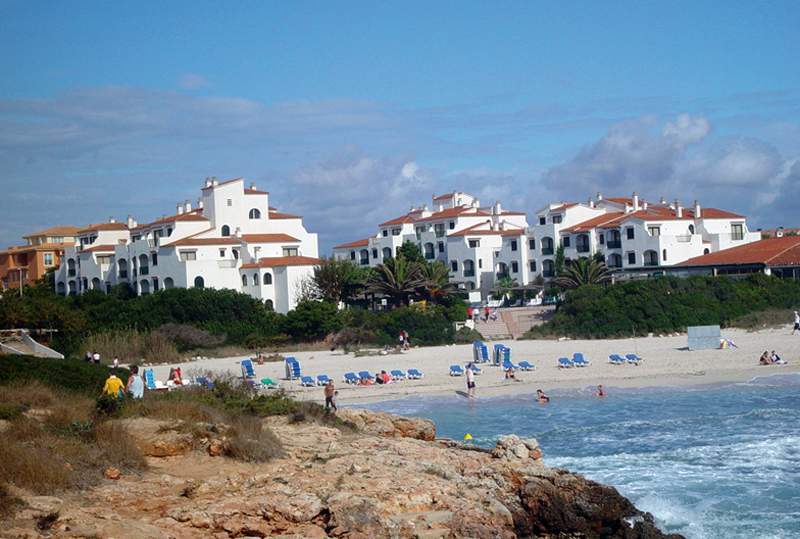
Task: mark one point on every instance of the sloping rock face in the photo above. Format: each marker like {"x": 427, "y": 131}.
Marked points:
{"x": 356, "y": 486}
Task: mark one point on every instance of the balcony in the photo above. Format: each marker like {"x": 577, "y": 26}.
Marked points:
{"x": 548, "y": 274}
{"x": 144, "y": 270}
{"x": 614, "y": 244}
{"x": 581, "y": 248}
{"x": 469, "y": 273}
{"x": 71, "y": 272}
{"x": 547, "y": 250}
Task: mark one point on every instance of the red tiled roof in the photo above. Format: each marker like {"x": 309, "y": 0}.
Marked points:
{"x": 783, "y": 251}
{"x": 279, "y": 215}
{"x": 223, "y": 183}
{"x": 357, "y": 243}
{"x": 665, "y": 213}
{"x": 621, "y": 200}
{"x": 99, "y": 248}
{"x": 249, "y": 191}
{"x": 19, "y": 249}
{"x": 444, "y": 196}
{"x": 193, "y": 215}
{"x": 504, "y": 212}
{"x": 601, "y": 221}
{"x": 228, "y": 240}
{"x": 280, "y": 261}
{"x": 103, "y": 226}
{"x": 475, "y": 230}
{"x": 268, "y": 238}
{"x": 407, "y": 218}
{"x": 54, "y": 231}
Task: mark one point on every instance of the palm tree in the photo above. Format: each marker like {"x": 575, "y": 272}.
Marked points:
{"x": 338, "y": 280}
{"x": 396, "y": 278}
{"x": 436, "y": 284}
{"x": 583, "y": 271}
{"x": 504, "y": 287}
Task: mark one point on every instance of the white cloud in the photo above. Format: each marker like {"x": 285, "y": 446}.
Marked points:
{"x": 193, "y": 81}
{"x": 687, "y": 129}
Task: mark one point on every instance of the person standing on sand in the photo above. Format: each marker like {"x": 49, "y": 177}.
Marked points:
{"x": 135, "y": 386}
{"x": 330, "y": 393}
{"x": 470, "y": 381}
{"x": 796, "y": 322}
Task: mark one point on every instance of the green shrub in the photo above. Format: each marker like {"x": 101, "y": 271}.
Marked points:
{"x": 72, "y": 375}
{"x": 665, "y": 305}
{"x": 466, "y": 335}
{"x": 312, "y": 320}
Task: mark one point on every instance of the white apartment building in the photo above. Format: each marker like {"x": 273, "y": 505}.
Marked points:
{"x": 481, "y": 245}
{"x": 633, "y": 235}
{"x": 232, "y": 239}
{"x": 474, "y": 242}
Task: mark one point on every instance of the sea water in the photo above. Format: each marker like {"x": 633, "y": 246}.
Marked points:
{"x": 707, "y": 462}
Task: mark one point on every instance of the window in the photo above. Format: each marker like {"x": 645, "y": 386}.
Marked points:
{"x": 169, "y": 232}
{"x": 222, "y": 253}
{"x": 632, "y": 258}
{"x": 387, "y": 252}
{"x": 654, "y": 231}
{"x": 188, "y": 255}
{"x": 104, "y": 260}
{"x": 556, "y": 219}
{"x": 542, "y": 220}
{"x": 48, "y": 259}
{"x": 737, "y": 232}
{"x": 474, "y": 243}
{"x": 629, "y": 232}
{"x": 267, "y": 278}
{"x": 235, "y": 253}
{"x": 602, "y": 239}
{"x": 664, "y": 255}
{"x": 290, "y": 251}
{"x": 691, "y": 229}
{"x": 513, "y": 245}
{"x": 255, "y": 213}
{"x": 453, "y": 266}
{"x": 532, "y": 265}
{"x": 566, "y": 241}
{"x": 230, "y": 202}
{"x": 480, "y": 263}
{"x": 440, "y": 246}
{"x": 385, "y": 233}
{"x": 269, "y": 305}
{"x": 532, "y": 244}
{"x": 469, "y": 268}
{"x": 155, "y": 284}
{"x": 451, "y": 225}
{"x": 375, "y": 253}
{"x": 154, "y": 259}
{"x": 706, "y": 251}
{"x": 352, "y": 255}
{"x": 226, "y": 230}
{"x": 514, "y": 267}
{"x": 244, "y": 280}
{"x": 438, "y": 228}
{"x": 396, "y": 231}
{"x": 429, "y": 251}
{"x": 255, "y": 279}
{"x": 199, "y": 282}
{"x": 168, "y": 283}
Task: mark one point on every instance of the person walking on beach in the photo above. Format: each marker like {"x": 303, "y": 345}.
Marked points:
{"x": 96, "y": 358}
{"x": 135, "y": 386}
{"x": 796, "y": 322}
{"x": 486, "y": 312}
{"x": 470, "y": 381}
{"x": 330, "y": 393}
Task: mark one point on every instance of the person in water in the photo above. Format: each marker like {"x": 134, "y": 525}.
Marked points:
{"x": 600, "y": 391}
{"x": 541, "y": 397}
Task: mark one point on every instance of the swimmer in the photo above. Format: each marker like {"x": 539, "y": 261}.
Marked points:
{"x": 600, "y": 391}
{"x": 541, "y": 397}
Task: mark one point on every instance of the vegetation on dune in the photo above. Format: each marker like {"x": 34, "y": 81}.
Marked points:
{"x": 583, "y": 271}
{"x": 665, "y": 304}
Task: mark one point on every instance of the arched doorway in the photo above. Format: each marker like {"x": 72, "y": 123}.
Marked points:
{"x": 199, "y": 282}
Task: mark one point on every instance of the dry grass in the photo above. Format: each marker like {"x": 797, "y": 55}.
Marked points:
{"x": 251, "y": 441}
{"x": 132, "y": 346}
{"x": 770, "y": 318}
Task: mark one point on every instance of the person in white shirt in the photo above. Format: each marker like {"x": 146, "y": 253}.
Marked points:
{"x": 96, "y": 358}
{"x": 796, "y": 322}
{"x": 470, "y": 381}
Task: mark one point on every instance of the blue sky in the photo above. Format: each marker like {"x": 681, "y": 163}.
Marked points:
{"x": 350, "y": 112}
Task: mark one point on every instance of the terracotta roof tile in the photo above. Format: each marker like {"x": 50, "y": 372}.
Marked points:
{"x": 601, "y": 221}
{"x": 280, "y": 261}
{"x": 475, "y": 230}
{"x": 268, "y": 238}
{"x": 444, "y": 196}
{"x": 403, "y": 219}
{"x": 227, "y": 240}
{"x": 771, "y": 251}
{"x": 465, "y": 211}
{"x": 103, "y": 226}
{"x": 98, "y": 248}
{"x": 279, "y": 215}
{"x": 54, "y": 231}
{"x": 357, "y": 243}
{"x": 248, "y": 191}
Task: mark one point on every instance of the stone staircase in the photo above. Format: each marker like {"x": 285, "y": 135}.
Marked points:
{"x": 494, "y": 330}
{"x": 513, "y": 322}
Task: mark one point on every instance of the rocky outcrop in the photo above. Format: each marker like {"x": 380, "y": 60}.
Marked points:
{"x": 389, "y": 425}
{"x": 389, "y": 481}
{"x": 159, "y": 438}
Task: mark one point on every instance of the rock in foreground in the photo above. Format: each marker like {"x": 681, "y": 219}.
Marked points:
{"x": 390, "y": 480}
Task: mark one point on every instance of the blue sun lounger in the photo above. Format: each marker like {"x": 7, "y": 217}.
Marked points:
{"x": 322, "y": 379}
{"x": 365, "y": 375}
{"x": 202, "y": 381}
{"x": 397, "y": 374}
{"x": 351, "y": 378}
{"x": 456, "y": 370}
{"x": 247, "y": 369}
{"x": 616, "y": 359}
{"x": 633, "y": 358}
{"x": 307, "y": 381}
{"x": 507, "y": 364}
{"x": 526, "y": 365}
{"x": 565, "y": 363}
{"x": 578, "y": 360}
{"x": 414, "y": 374}
{"x": 476, "y": 369}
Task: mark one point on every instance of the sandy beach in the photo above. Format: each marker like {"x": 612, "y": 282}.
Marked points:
{"x": 667, "y": 362}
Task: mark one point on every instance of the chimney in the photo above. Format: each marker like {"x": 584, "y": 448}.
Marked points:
{"x": 678, "y": 209}
{"x": 779, "y": 232}
{"x": 424, "y": 207}
{"x": 662, "y": 201}
{"x": 135, "y": 223}
{"x": 179, "y": 209}
{"x": 238, "y": 232}
{"x": 214, "y": 181}
{"x": 635, "y": 201}
{"x": 439, "y": 207}
{"x": 627, "y": 208}
{"x": 131, "y": 222}
{"x": 208, "y": 183}
{"x": 644, "y": 205}
{"x": 112, "y": 220}
{"x": 599, "y": 196}
{"x": 200, "y": 203}
{"x": 498, "y": 209}
{"x": 697, "y": 210}
{"x": 252, "y": 186}
{"x": 187, "y": 206}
